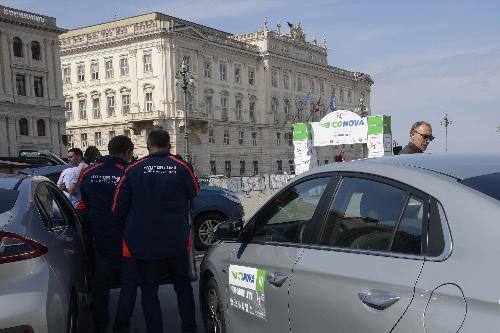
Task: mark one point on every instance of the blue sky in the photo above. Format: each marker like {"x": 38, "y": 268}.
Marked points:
{"x": 426, "y": 57}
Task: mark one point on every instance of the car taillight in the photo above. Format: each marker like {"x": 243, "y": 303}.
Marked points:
{"x": 14, "y": 248}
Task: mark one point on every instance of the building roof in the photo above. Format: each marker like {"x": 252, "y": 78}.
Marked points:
{"x": 29, "y": 19}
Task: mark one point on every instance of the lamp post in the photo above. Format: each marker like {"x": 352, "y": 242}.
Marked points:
{"x": 185, "y": 80}
{"x": 446, "y": 122}
{"x": 362, "y": 109}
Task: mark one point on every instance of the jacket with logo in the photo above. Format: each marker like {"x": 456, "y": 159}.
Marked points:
{"x": 152, "y": 199}
{"x": 98, "y": 184}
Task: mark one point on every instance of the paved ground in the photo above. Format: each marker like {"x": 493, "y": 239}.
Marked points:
{"x": 253, "y": 201}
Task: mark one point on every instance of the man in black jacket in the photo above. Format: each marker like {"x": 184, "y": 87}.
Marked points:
{"x": 98, "y": 185}
{"x": 153, "y": 199}
{"x": 420, "y": 137}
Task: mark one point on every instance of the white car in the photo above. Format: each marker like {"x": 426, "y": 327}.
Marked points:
{"x": 407, "y": 243}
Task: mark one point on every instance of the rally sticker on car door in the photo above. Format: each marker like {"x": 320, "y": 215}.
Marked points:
{"x": 246, "y": 290}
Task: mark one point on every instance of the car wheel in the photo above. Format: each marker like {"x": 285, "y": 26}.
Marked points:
{"x": 72, "y": 321}
{"x": 213, "y": 314}
{"x": 204, "y": 230}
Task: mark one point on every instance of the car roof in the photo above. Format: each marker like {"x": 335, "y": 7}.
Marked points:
{"x": 46, "y": 170}
{"x": 457, "y": 166}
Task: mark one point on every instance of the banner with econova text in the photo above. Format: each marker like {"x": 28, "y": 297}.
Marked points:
{"x": 305, "y": 156}
{"x": 339, "y": 127}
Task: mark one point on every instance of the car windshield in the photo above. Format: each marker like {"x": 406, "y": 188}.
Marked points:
{"x": 7, "y": 199}
{"x": 487, "y": 184}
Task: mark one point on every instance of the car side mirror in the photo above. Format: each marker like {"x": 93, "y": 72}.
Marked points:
{"x": 229, "y": 230}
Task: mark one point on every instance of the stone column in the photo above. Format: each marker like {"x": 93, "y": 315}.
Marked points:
{"x": 12, "y": 137}
{"x": 133, "y": 70}
{"x": 4, "y": 136}
{"x": 54, "y": 137}
{"x": 7, "y": 84}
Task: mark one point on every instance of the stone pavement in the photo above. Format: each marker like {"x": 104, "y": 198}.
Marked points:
{"x": 254, "y": 200}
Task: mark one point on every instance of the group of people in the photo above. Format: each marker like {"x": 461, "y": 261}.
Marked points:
{"x": 138, "y": 216}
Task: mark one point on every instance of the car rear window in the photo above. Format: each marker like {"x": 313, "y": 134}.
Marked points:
{"x": 487, "y": 184}
{"x": 7, "y": 199}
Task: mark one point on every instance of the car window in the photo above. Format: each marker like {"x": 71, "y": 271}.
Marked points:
{"x": 7, "y": 199}
{"x": 65, "y": 206}
{"x": 364, "y": 214}
{"x": 487, "y": 184}
{"x": 285, "y": 219}
{"x": 49, "y": 208}
{"x": 408, "y": 238}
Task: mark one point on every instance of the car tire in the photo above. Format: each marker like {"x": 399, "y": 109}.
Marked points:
{"x": 72, "y": 319}
{"x": 213, "y": 309}
{"x": 204, "y": 228}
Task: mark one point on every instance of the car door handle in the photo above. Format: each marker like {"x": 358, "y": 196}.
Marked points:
{"x": 277, "y": 279}
{"x": 378, "y": 301}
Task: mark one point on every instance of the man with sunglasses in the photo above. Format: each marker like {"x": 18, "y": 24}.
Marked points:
{"x": 420, "y": 137}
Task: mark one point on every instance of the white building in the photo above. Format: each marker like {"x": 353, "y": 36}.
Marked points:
{"x": 119, "y": 78}
{"x": 31, "y": 91}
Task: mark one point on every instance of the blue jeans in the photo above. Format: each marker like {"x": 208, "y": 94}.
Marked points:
{"x": 149, "y": 277}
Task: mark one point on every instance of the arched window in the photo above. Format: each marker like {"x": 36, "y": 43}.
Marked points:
{"x": 23, "y": 126}
{"x": 40, "y": 127}
{"x": 17, "y": 45}
{"x": 35, "y": 50}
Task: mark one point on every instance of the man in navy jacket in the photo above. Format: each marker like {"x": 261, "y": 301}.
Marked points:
{"x": 98, "y": 186}
{"x": 153, "y": 199}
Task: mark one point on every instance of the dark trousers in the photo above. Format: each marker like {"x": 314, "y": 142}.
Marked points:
{"x": 105, "y": 265}
{"x": 149, "y": 276}
{"x": 128, "y": 295}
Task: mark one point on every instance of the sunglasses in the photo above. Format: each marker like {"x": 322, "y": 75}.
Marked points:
{"x": 427, "y": 137}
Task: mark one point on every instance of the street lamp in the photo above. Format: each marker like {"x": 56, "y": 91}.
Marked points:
{"x": 446, "y": 122}
{"x": 361, "y": 108}
{"x": 185, "y": 80}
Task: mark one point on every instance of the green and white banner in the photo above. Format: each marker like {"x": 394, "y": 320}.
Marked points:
{"x": 305, "y": 155}
{"x": 379, "y": 136}
{"x": 339, "y": 128}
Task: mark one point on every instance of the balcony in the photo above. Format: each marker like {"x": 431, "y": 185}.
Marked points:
{"x": 145, "y": 116}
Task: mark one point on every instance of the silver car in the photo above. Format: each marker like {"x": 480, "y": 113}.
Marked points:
{"x": 43, "y": 282}
{"x": 398, "y": 244}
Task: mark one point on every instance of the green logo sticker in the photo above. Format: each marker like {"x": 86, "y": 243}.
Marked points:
{"x": 261, "y": 278}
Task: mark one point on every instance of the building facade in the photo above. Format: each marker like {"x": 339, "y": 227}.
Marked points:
{"x": 119, "y": 78}
{"x": 31, "y": 92}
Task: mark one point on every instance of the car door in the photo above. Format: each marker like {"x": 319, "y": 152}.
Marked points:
{"x": 65, "y": 250}
{"x": 260, "y": 270}
{"x": 361, "y": 275}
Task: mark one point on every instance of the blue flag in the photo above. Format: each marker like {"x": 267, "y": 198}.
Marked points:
{"x": 333, "y": 103}
{"x": 305, "y": 101}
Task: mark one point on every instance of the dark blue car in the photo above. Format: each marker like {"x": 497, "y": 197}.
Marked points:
{"x": 210, "y": 207}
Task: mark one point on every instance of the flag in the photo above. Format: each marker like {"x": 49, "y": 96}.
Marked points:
{"x": 333, "y": 103}
{"x": 305, "y": 102}
{"x": 317, "y": 106}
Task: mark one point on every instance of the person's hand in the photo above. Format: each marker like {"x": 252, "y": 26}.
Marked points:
{"x": 62, "y": 187}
